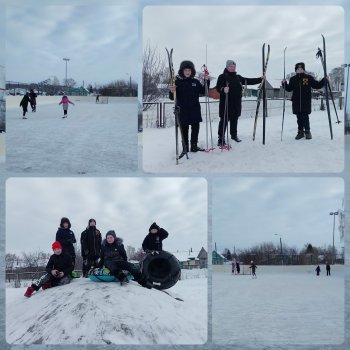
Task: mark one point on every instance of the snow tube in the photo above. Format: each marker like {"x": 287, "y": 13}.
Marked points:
{"x": 103, "y": 275}
{"x": 162, "y": 269}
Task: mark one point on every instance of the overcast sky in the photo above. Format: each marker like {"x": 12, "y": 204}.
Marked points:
{"x": 249, "y": 211}
{"x": 34, "y": 207}
{"x": 238, "y": 32}
{"x": 100, "y": 41}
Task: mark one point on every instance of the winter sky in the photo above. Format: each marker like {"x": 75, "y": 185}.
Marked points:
{"x": 34, "y": 207}
{"x": 238, "y": 32}
{"x": 249, "y": 211}
{"x": 100, "y": 41}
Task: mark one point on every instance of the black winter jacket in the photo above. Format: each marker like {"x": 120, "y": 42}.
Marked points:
{"x": 90, "y": 240}
{"x": 301, "y": 85}
{"x": 24, "y": 101}
{"x": 112, "y": 252}
{"x": 62, "y": 263}
{"x": 153, "y": 241}
{"x": 32, "y": 97}
{"x": 235, "y": 83}
{"x": 66, "y": 237}
{"x": 188, "y": 91}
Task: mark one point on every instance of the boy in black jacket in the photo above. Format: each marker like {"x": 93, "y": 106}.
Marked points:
{"x": 153, "y": 241}
{"x": 24, "y": 104}
{"x": 58, "y": 268}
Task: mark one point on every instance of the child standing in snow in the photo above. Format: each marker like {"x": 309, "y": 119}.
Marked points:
{"x": 318, "y": 270}
{"x": 328, "y": 268}
{"x": 24, "y": 104}
{"x": 65, "y": 101}
{"x": 153, "y": 241}
{"x": 253, "y": 267}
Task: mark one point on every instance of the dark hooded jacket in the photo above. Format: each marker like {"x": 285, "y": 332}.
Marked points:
{"x": 24, "y": 101}
{"x": 90, "y": 240}
{"x": 153, "y": 241}
{"x": 62, "y": 263}
{"x": 66, "y": 237}
{"x": 301, "y": 85}
{"x": 112, "y": 252}
{"x": 32, "y": 97}
{"x": 235, "y": 83}
{"x": 188, "y": 91}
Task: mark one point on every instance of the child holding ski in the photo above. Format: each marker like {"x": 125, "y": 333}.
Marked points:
{"x": 65, "y": 103}
{"x": 188, "y": 89}
{"x": 301, "y": 85}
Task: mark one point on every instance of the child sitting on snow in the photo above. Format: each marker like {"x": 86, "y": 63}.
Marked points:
{"x": 65, "y": 101}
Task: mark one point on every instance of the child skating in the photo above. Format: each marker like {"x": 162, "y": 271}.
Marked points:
{"x": 65, "y": 102}
{"x": 24, "y": 104}
{"x": 253, "y": 267}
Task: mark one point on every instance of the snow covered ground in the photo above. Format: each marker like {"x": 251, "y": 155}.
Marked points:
{"x": 85, "y": 312}
{"x": 94, "y": 139}
{"x": 283, "y": 305}
{"x": 2, "y": 147}
{"x": 321, "y": 154}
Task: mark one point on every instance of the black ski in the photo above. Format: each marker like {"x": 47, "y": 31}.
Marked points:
{"x": 284, "y": 90}
{"x": 322, "y": 56}
{"x": 176, "y": 110}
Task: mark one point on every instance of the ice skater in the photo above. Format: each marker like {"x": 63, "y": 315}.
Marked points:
{"x": 253, "y": 267}
{"x": 234, "y": 266}
{"x": 24, "y": 104}
{"x": 32, "y": 100}
{"x": 318, "y": 270}
{"x": 238, "y": 267}
{"x": 65, "y": 102}
{"x": 328, "y": 268}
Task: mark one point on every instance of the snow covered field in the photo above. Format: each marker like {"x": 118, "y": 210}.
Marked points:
{"x": 85, "y": 312}
{"x": 2, "y": 147}
{"x": 283, "y": 305}
{"x": 94, "y": 139}
{"x": 321, "y": 154}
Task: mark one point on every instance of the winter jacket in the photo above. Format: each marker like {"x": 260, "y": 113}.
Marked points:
{"x": 65, "y": 100}
{"x": 24, "y": 101}
{"x": 153, "y": 241}
{"x": 66, "y": 237}
{"x": 62, "y": 263}
{"x": 112, "y": 252}
{"x": 301, "y": 85}
{"x": 235, "y": 84}
{"x": 90, "y": 240}
{"x": 32, "y": 97}
{"x": 253, "y": 267}
{"x": 188, "y": 91}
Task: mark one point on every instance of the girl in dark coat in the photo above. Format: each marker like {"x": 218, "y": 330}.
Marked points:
{"x": 230, "y": 84}
{"x": 90, "y": 240}
{"x": 318, "y": 270}
{"x": 24, "y": 104}
{"x": 32, "y": 100}
{"x": 153, "y": 241}
{"x": 301, "y": 85}
{"x": 66, "y": 237}
{"x": 188, "y": 89}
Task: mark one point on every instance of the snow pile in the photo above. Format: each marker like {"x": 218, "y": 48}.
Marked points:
{"x": 194, "y": 273}
{"x": 283, "y": 305}
{"x": 85, "y": 312}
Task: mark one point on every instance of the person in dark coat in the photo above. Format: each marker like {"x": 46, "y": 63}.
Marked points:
{"x": 24, "y": 104}
{"x": 66, "y": 237}
{"x": 153, "y": 241}
{"x": 238, "y": 267}
{"x": 113, "y": 257}
{"x": 301, "y": 85}
{"x": 188, "y": 89}
{"x": 328, "y": 268}
{"x": 58, "y": 271}
{"x": 32, "y": 100}
{"x": 90, "y": 240}
{"x": 230, "y": 86}
{"x": 253, "y": 267}
{"x": 318, "y": 270}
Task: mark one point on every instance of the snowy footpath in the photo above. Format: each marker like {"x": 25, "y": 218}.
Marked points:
{"x": 283, "y": 305}
{"x": 321, "y": 154}
{"x": 94, "y": 139}
{"x": 86, "y": 312}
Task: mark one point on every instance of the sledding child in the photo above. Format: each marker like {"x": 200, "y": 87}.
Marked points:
{"x": 253, "y": 267}
{"x": 66, "y": 237}
{"x": 24, "y": 104}
{"x": 301, "y": 84}
{"x": 65, "y": 102}
{"x": 318, "y": 270}
{"x": 188, "y": 89}
{"x": 114, "y": 258}
{"x": 58, "y": 268}
{"x": 90, "y": 240}
{"x": 153, "y": 241}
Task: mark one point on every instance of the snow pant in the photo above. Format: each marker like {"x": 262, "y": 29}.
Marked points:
{"x": 33, "y": 105}
{"x": 25, "y": 110}
{"x": 328, "y": 272}
{"x": 303, "y": 122}
{"x": 65, "y": 112}
{"x": 48, "y": 279}
{"x": 233, "y": 119}
{"x": 194, "y": 134}
{"x": 117, "y": 267}
{"x": 317, "y": 273}
{"x": 88, "y": 263}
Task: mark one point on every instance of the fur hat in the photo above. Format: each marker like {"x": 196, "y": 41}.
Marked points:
{"x": 187, "y": 64}
{"x": 111, "y": 233}
{"x": 230, "y": 63}
{"x": 63, "y": 220}
{"x": 154, "y": 225}
{"x": 299, "y": 65}
{"x": 56, "y": 245}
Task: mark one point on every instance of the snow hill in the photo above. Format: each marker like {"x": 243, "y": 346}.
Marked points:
{"x": 86, "y": 312}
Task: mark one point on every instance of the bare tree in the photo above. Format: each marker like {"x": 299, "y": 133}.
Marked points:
{"x": 10, "y": 261}
{"x": 337, "y": 78}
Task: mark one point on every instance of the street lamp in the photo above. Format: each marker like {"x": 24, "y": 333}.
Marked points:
{"x": 276, "y": 234}
{"x": 66, "y": 59}
{"x": 334, "y": 213}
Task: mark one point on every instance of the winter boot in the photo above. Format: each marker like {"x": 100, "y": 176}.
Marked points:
{"x": 300, "y": 135}
{"x": 235, "y": 138}
{"x": 29, "y": 292}
{"x": 221, "y": 142}
{"x": 308, "y": 135}
{"x": 195, "y": 148}
{"x": 46, "y": 285}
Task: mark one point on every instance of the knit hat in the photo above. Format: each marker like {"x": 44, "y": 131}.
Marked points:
{"x": 91, "y": 221}
{"x": 230, "y": 63}
{"x": 187, "y": 64}
{"x": 111, "y": 233}
{"x": 56, "y": 245}
{"x": 299, "y": 65}
{"x": 154, "y": 225}
{"x": 63, "y": 220}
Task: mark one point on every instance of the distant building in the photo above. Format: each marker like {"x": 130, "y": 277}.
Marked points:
{"x": 217, "y": 258}
{"x": 192, "y": 259}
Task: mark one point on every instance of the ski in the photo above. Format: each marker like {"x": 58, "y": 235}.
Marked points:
{"x": 284, "y": 90}
{"x": 176, "y": 109}
{"x": 261, "y": 89}
{"x": 159, "y": 290}
{"x": 322, "y": 57}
